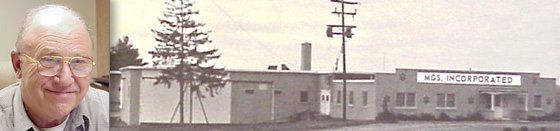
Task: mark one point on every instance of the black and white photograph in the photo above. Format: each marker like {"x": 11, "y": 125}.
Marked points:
{"x": 238, "y": 65}
{"x": 337, "y": 64}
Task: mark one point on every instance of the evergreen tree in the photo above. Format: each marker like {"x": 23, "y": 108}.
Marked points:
{"x": 182, "y": 54}
{"x": 123, "y": 54}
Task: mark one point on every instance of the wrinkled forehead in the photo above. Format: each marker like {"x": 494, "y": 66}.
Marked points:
{"x": 55, "y": 19}
{"x": 56, "y": 31}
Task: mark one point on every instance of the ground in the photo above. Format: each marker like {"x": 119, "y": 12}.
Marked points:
{"x": 355, "y": 126}
{"x": 454, "y": 126}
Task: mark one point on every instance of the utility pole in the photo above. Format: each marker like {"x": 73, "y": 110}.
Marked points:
{"x": 346, "y": 31}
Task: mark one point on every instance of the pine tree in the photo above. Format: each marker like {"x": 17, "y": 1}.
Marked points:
{"x": 181, "y": 55}
{"x": 123, "y": 54}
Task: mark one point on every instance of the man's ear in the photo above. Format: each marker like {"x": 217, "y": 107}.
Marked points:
{"x": 16, "y": 63}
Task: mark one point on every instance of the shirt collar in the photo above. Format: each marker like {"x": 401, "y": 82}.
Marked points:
{"x": 78, "y": 117}
{"x": 21, "y": 120}
{"x": 23, "y": 123}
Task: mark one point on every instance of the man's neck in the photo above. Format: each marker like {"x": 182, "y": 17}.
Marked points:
{"x": 47, "y": 124}
{"x": 44, "y": 122}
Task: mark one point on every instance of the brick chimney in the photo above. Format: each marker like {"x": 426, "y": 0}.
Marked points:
{"x": 305, "y": 56}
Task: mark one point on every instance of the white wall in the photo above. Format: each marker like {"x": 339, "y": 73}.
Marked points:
{"x": 356, "y": 111}
{"x": 157, "y": 102}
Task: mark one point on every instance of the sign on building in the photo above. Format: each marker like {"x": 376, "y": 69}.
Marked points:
{"x": 471, "y": 79}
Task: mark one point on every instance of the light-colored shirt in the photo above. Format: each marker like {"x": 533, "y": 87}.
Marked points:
{"x": 92, "y": 114}
{"x": 57, "y": 128}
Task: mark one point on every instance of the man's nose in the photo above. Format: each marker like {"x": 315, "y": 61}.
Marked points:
{"x": 64, "y": 77}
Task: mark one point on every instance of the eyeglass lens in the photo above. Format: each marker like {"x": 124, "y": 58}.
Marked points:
{"x": 52, "y": 65}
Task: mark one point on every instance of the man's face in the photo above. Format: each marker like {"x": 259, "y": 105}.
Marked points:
{"x": 53, "y": 97}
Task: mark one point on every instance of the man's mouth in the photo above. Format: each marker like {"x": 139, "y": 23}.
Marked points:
{"x": 61, "y": 96}
{"x": 60, "y": 92}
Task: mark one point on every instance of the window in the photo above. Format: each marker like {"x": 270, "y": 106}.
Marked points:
{"x": 327, "y": 98}
{"x": 250, "y": 92}
{"x": 538, "y": 101}
{"x": 410, "y": 99}
{"x": 303, "y": 96}
{"x": 497, "y": 100}
{"x": 445, "y": 100}
{"x": 440, "y": 100}
{"x": 521, "y": 101}
{"x": 450, "y": 100}
{"x": 406, "y": 100}
{"x": 277, "y": 92}
{"x": 364, "y": 98}
{"x": 338, "y": 97}
{"x": 487, "y": 98}
{"x": 400, "y": 99}
{"x": 351, "y": 98}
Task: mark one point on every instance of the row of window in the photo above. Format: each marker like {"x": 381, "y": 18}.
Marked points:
{"x": 351, "y": 97}
{"x": 443, "y": 100}
{"x": 303, "y": 95}
{"x": 407, "y": 100}
{"x": 447, "y": 100}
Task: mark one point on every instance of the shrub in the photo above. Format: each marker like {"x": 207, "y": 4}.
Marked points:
{"x": 400, "y": 117}
{"x": 306, "y": 115}
{"x": 414, "y": 117}
{"x": 523, "y": 128}
{"x": 555, "y": 116}
{"x": 404, "y": 117}
{"x": 475, "y": 117}
{"x": 460, "y": 118}
{"x": 386, "y": 116}
{"x": 390, "y": 116}
{"x": 444, "y": 117}
{"x": 427, "y": 117}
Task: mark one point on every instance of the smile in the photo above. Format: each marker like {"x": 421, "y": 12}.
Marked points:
{"x": 60, "y": 92}
{"x": 60, "y": 96}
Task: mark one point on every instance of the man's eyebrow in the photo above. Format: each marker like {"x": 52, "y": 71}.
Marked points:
{"x": 47, "y": 51}
{"x": 82, "y": 55}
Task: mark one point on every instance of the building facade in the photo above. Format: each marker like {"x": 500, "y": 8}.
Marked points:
{"x": 457, "y": 93}
{"x": 280, "y": 95}
{"x": 274, "y": 96}
{"x": 262, "y": 96}
{"x": 248, "y": 97}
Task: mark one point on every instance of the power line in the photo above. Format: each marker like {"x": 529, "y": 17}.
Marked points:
{"x": 274, "y": 53}
{"x": 346, "y": 32}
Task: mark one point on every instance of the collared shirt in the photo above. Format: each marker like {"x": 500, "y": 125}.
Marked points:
{"x": 57, "y": 128}
{"x": 92, "y": 114}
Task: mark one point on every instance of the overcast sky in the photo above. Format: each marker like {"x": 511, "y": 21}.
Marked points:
{"x": 497, "y": 35}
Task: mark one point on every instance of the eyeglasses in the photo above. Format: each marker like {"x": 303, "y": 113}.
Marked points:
{"x": 80, "y": 66}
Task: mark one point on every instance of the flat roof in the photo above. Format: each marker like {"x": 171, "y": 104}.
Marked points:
{"x": 470, "y": 71}
{"x": 276, "y": 71}
{"x": 356, "y": 74}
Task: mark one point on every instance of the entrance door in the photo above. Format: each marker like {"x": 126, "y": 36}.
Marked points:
{"x": 498, "y": 107}
{"x": 325, "y": 102}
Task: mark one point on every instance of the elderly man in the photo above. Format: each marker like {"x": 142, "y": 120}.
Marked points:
{"x": 53, "y": 62}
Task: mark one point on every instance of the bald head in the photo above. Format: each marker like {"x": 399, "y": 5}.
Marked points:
{"x": 50, "y": 86}
{"x": 49, "y": 17}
